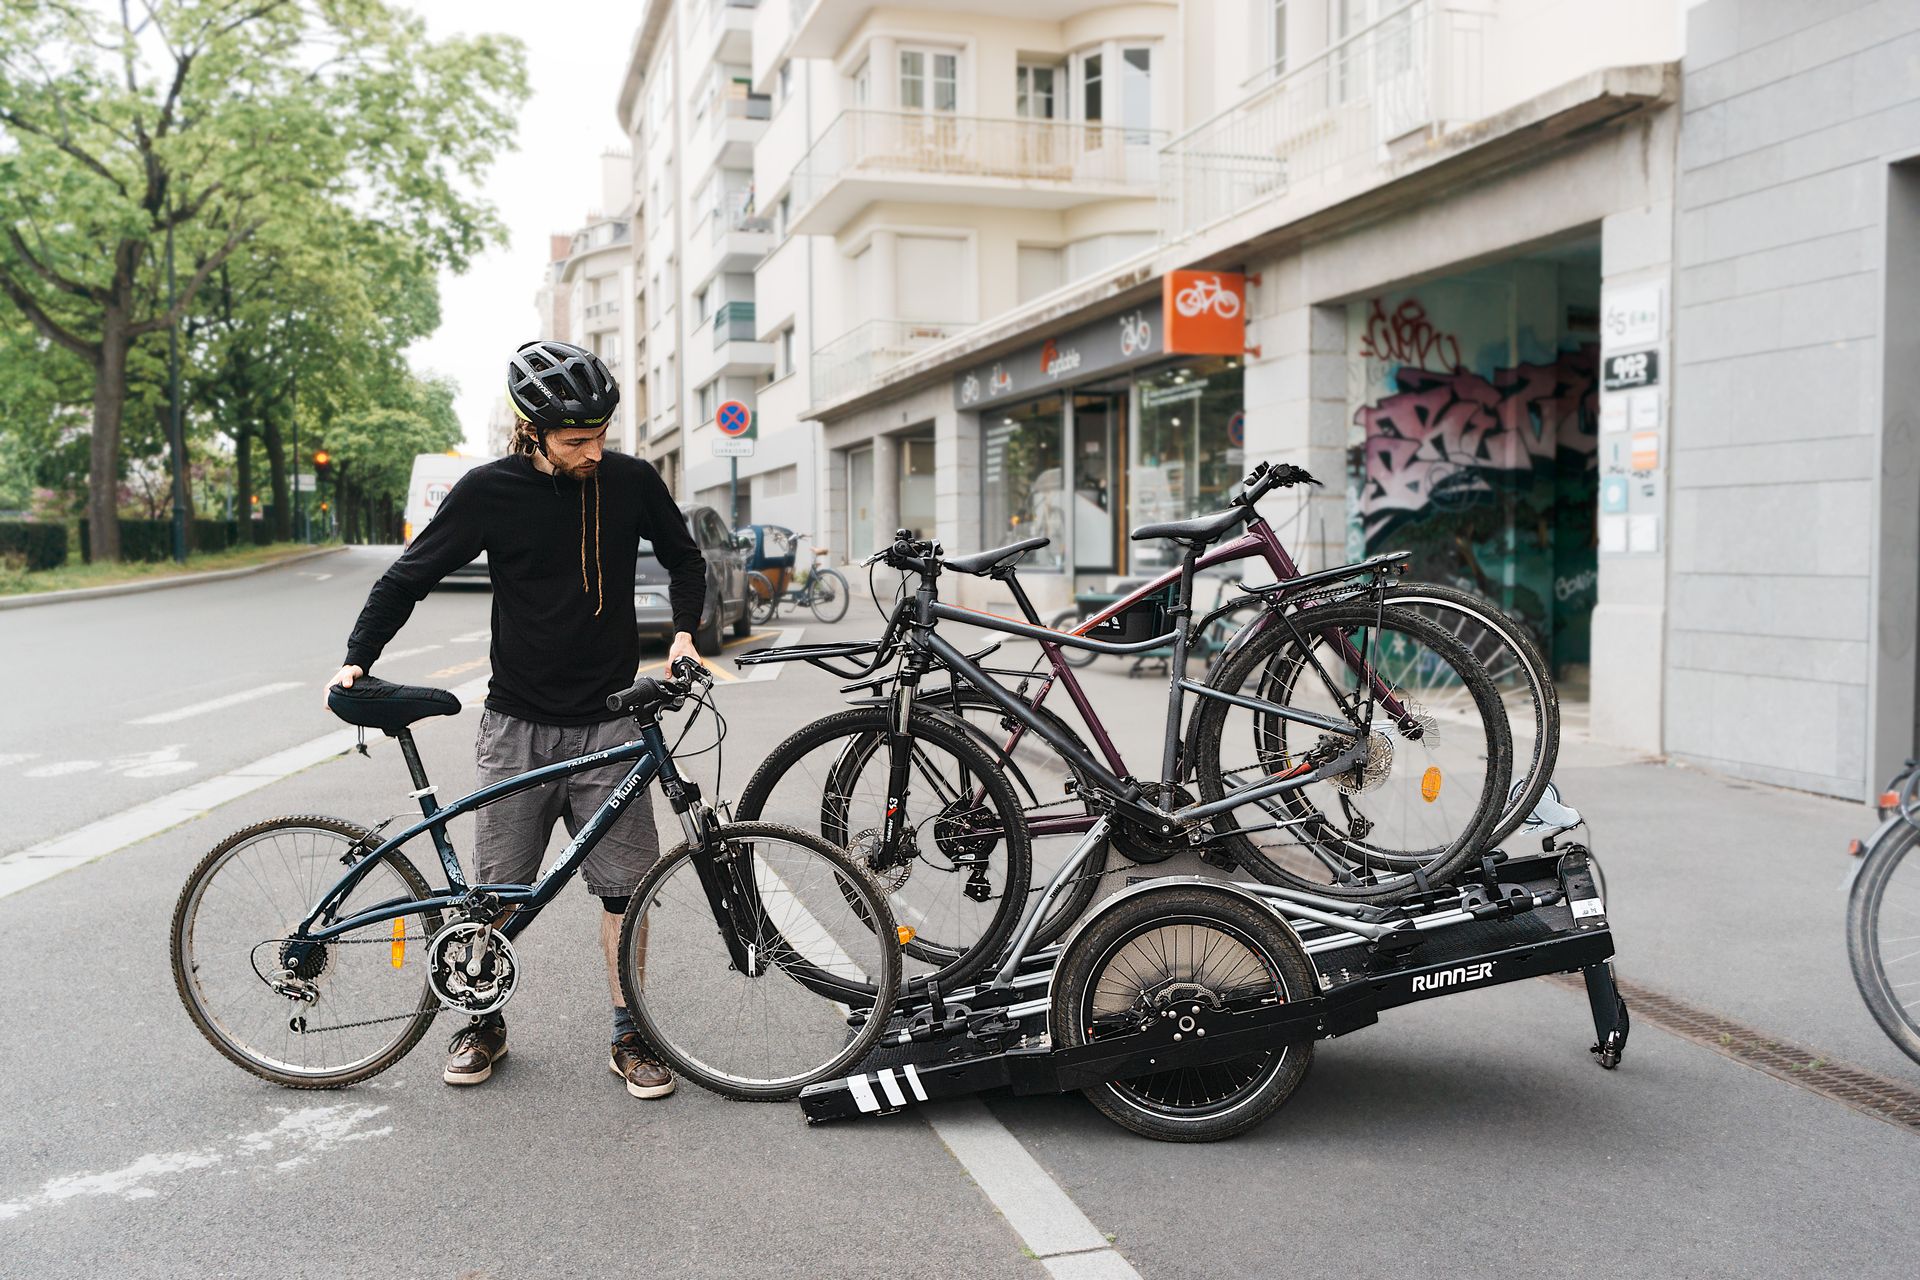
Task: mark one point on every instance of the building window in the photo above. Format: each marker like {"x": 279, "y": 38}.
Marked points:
{"x": 1184, "y": 462}
{"x": 1022, "y": 485}
{"x": 700, "y": 307}
{"x": 786, "y": 351}
{"x": 1136, "y": 104}
{"x": 1092, "y": 79}
{"x": 1034, "y": 92}
{"x": 670, "y": 386}
{"x": 929, "y": 80}
{"x": 784, "y": 84}
{"x": 707, "y": 396}
{"x": 786, "y": 212}
{"x": 863, "y": 85}
{"x": 781, "y": 483}
{"x": 1278, "y": 46}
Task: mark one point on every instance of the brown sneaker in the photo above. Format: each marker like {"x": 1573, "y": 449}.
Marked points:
{"x": 473, "y": 1051}
{"x": 631, "y": 1062}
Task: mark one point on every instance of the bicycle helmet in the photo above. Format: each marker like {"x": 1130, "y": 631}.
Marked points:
{"x": 556, "y": 384}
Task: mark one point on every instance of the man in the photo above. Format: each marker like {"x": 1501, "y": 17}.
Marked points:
{"x": 560, "y": 521}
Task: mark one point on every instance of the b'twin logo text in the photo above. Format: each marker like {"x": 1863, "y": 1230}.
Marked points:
{"x": 1459, "y": 975}
{"x": 624, "y": 790}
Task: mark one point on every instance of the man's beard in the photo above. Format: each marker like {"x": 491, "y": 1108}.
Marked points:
{"x": 575, "y": 470}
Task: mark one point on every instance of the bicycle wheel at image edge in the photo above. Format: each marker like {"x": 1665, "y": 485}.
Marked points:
{"x": 1120, "y": 974}
{"x": 371, "y": 1001}
{"x": 1889, "y": 878}
{"x": 820, "y": 929}
{"x": 828, "y": 594}
{"x": 1424, "y": 797}
{"x": 962, "y": 879}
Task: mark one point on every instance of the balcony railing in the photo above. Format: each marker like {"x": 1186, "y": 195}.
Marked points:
{"x": 736, "y": 214}
{"x": 856, "y": 359}
{"x": 1363, "y": 102}
{"x": 935, "y": 143}
{"x": 731, "y": 101}
{"x": 732, "y": 322}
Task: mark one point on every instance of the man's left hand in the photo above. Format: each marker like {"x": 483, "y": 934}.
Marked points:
{"x": 682, "y": 647}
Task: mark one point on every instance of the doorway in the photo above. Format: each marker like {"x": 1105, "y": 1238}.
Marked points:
{"x": 860, "y": 503}
{"x": 1099, "y": 442}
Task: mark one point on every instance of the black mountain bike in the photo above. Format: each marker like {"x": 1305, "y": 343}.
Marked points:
{"x": 311, "y": 952}
{"x": 1310, "y": 758}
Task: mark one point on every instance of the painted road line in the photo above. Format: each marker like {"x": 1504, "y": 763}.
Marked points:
{"x": 29, "y": 866}
{"x": 407, "y": 653}
{"x": 218, "y": 704}
{"x": 457, "y": 669}
{"x": 1039, "y": 1210}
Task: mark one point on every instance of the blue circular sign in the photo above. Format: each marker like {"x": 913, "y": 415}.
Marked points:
{"x": 1237, "y": 429}
{"x": 733, "y": 419}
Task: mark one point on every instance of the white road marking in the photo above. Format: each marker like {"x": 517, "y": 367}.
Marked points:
{"x": 27, "y": 867}
{"x": 471, "y": 636}
{"x": 152, "y": 764}
{"x": 299, "y": 1136}
{"x": 62, "y": 768}
{"x": 17, "y": 757}
{"x": 218, "y": 704}
{"x": 1047, "y": 1221}
{"x": 782, "y": 637}
{"x": 407, "y": 653}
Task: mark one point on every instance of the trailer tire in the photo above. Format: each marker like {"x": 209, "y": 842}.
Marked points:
{"x": 1247, "y": 945}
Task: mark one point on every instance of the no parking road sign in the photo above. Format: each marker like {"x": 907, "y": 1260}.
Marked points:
{"x": 733, "y": 419}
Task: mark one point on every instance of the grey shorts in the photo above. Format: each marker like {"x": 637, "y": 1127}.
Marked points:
{"x": 511, "y": 834}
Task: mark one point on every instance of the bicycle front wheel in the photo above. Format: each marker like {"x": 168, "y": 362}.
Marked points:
{"x": 304, "y": 1015}
{"x": 1883, "y": 936}
{"x": 827, "y": 592}
{"x": 1520, "y": 676}
{"x": 1438, "y": 754}
{"x": 817, "y": 937}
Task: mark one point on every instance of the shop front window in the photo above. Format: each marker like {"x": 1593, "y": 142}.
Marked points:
{"x": 1187, "y": 451}
{"x": 1023, "y": 486}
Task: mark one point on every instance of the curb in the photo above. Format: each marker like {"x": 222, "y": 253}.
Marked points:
{"x": 155, "y": 584}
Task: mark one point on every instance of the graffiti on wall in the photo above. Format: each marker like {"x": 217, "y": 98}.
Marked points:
{"x": 1407, "y": 337}
{"x": 1449, "y": 440}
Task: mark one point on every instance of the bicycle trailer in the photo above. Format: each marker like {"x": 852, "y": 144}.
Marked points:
{"x": 1509, "y": 919}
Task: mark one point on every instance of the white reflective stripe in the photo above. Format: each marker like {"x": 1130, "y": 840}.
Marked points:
{"x": 887, "y": 1082}
{"x": 862, "y": 1093}
{"x": 913, "y": 1079}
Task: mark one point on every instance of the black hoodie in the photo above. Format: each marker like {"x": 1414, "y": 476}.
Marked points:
{"x": 561, "y": 555}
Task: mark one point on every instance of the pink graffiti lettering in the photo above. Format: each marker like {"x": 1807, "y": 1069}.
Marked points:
{"x": 1407, "y": 337}
{"x": 1444, "y": 437}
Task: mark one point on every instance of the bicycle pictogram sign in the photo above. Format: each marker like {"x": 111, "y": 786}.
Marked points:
{"x": 1207, "y": 294}
{"x": 733, "y": 418}
{"x": 1204, "y": 312}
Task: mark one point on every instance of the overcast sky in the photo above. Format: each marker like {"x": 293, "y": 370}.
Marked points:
{"x": 576, "y": 52}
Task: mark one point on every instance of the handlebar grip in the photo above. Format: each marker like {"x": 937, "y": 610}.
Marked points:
{"x": 646, "y": 688}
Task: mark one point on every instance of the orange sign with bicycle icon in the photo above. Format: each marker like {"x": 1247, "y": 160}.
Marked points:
{"x": 1204, "y": 313}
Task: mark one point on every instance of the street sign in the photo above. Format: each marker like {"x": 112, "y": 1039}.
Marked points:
{"x": 1632, "y": 369}
{"x": 732, "y": 448}
{"x": 304, "y": 482}
{"x": 1237, "y": 429}
{"x": 734, "y": 419}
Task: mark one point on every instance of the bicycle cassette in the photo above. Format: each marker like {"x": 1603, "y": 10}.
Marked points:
{"x": 1370, "y": 771}
{"x": 472, "y": 967}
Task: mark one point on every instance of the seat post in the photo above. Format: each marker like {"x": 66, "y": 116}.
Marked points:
{"x": 1020, "y": 597}
{"x": 1182, "y": 608}
{"x": 422, "y": 789}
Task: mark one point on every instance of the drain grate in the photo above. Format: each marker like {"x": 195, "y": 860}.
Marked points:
{"x": 1809, "y": 1069}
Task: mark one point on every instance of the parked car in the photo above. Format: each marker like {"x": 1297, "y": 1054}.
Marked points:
{"x": 433, "y": 478}
{"x": 728, "y": 602}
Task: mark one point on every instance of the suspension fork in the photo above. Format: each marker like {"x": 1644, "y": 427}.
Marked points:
{"x": 726, "y": 876}
{"x": 899, "y": 733}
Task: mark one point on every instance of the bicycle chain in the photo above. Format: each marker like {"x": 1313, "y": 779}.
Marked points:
{"x": 353, "y": 942}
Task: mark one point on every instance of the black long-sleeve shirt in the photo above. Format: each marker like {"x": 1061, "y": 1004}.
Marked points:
{"x": 561, "y": 555}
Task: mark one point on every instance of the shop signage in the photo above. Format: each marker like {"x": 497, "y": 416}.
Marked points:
{"x": 1630, "y": 369}
{"x": 1204, "y": 313}
{"x": 1060, "y": 359}
{"x": 1630, "y": 317}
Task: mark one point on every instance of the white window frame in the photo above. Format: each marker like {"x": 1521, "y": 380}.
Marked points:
{"x": 1026, "y": 90}
{"x": 927, "y": 80}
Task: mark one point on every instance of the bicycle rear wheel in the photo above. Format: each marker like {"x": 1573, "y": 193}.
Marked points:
{"x": 819, "y": 937}
{"x": 1520, "y": 675}
{"x": 828, "y": 594}
{"x": 762, "y": 600}
{"x": 1423, "y": 798}
{"x": 1883, "y": 936}
{"x": 365, "y": 998}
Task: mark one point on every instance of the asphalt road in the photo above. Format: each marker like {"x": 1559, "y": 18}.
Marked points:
{"x": 1470, "y": 1135}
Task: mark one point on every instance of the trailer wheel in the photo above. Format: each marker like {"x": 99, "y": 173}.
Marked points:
{"x": 1157, "y": 956}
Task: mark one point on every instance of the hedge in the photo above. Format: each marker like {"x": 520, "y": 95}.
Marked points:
{"x": 43, "y": 546}
{"x": 153, "y": 539}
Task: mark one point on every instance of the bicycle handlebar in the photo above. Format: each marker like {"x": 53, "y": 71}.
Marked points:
{"x": 648, "y": 692}
{"x": 1266, "y": 477}
{"x": 909, "y": 555}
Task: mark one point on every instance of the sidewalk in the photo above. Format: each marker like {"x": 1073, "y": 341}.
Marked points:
{"x": 160, "y": 582}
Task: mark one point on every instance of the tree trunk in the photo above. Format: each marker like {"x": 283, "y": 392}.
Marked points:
{"x": 243, "y": 480}
{"x": 109, "y": 402}
{"x": 277, "y": 468}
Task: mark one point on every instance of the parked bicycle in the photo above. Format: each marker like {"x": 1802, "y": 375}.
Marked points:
{"x": 1883, "y": 914}
{"x": 1320, "y": 705}
{"x": 311, "y": 951}
{"x": 818, "y": 587}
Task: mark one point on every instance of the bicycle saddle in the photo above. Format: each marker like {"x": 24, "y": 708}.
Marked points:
{"x": 374, "y": 703}
{"x": 1197, "y": 532}
{"x": 983, "y": 563}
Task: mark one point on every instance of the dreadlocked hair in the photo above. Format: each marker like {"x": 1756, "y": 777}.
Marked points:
{"x": 526, "y": 438}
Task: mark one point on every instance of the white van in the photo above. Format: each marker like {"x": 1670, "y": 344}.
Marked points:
{"x": 433, "y": 477}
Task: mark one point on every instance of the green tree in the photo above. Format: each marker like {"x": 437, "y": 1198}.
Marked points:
{"x": 372, "y": 450}
{"x": 213, "y": 120}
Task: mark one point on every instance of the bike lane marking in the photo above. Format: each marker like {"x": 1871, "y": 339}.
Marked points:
{"x": 218, "y": 704}
{"x": 27, "y": 867}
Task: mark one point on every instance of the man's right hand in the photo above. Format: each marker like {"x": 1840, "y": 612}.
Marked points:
{"x": 344, "y": 678}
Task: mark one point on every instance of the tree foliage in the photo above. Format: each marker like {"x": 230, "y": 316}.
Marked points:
{"x": 287, "y": 146}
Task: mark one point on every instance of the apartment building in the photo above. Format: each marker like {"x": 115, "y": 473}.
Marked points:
{"x": 1596, "y": 309}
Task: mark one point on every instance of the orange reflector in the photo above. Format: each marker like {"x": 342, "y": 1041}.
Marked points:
{"x": 906, "y": 934}
{"x": 399, "y": 942}
{"x": 1889, "y": 799}
{"x": 1855, "y": 848}
{"x": 1430, "y": 784}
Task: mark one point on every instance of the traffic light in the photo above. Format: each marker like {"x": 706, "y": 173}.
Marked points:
{"x": 321, "y": 460}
